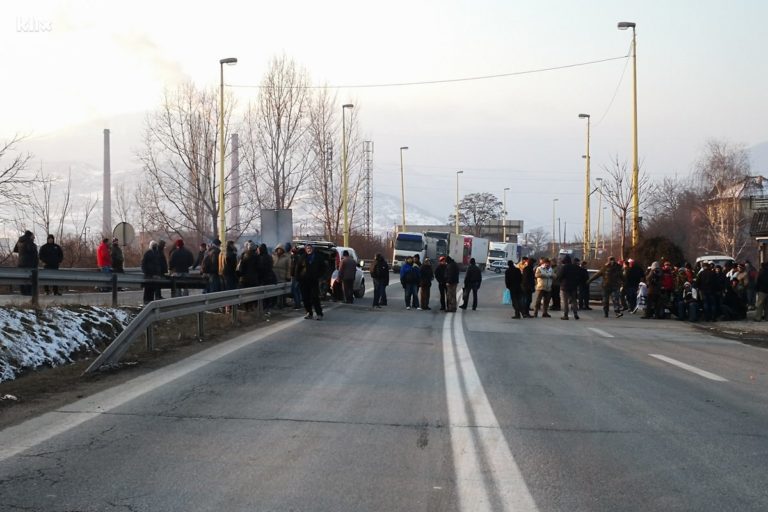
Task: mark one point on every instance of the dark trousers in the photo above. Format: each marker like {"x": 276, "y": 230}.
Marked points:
{"x": 411, "y": 295}
{"x": 517, "y": 296}
{"x": 348, "y": 285}
{"x": 443, "y": 289}
{"x": 424, "y": 296}
{"x": 379, "y": 292}
{"x": 465, "y": 296}
{"x": 568, "y": 301}
{"x": 450, "y": 297}
{"x": 310, "y": 292}
{"x": 583, "y": 296}
{"x": 630, "y": 294}
{"x": 150, "y": 290}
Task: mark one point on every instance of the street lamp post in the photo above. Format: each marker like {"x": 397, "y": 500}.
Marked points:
{"x": 345, "y": 170}
{"x": 554, "y": 234}
{"x": 623, "y": 25}
{"x": 504, "y": 228}
{"x": 599, "y": 216}
{"x": 586, "y": 192}
{"x": 402, "y": 184}
{"x": 457, "y": 200}
{"x": 222, "y": 217}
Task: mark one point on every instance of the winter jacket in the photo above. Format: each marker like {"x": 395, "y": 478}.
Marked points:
{"x": 569, "y": 276}
{"x": 513, "y": 279}
{"x": 150, "y": 263}
{"x": 409, "y": 274}
{"x": 311, "y": 267}
{"x": 380, "y": 271}
{"x": 612, "y": 275}
{"x": 427, "y": 275}
{"x": 51, "y": 255}
{"x": 452, "y": 273}
{"x": 632, "y": 276}
{"x": 543, "y": 278}
{"x": 210, "y": 264}
{"x": 265, "y": 267}
{"x": 27, "y": 251}
{"x": 247, "y": 269}
{"x": 103, "y": 256}
{"x": 118, "y": 260}
{"x": 440, "y": 272}
{"x": 762, "y": 279}
{"x": 529, "y": 278}
{"x": 281, "y": 266}
{"x": 473, "y": 277}
{"x": 180, "y": 261}
{"x": 347, "y": 269}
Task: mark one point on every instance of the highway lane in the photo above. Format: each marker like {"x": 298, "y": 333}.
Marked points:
{"x": 407, "y": 410}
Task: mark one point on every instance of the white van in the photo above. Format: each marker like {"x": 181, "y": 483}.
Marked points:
{"x": 717, "y": 259}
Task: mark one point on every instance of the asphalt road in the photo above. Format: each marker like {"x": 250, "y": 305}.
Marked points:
{"x": 416, "y": 410}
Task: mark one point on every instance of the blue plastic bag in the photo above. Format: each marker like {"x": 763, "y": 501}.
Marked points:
{"x": 507, "y": 297}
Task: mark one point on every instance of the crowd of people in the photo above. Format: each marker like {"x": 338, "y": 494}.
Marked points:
{"x": 706, "y": 292}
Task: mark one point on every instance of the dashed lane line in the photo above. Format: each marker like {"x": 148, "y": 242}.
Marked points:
{"x": 601, "y": 332}
{"x": 692, "y": 369}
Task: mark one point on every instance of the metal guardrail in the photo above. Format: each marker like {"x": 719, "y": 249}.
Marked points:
{"x": 181, "y": 306}
{"x": 35, "y": 278}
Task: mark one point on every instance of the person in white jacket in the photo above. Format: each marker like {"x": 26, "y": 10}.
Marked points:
{"x": 544, "y": 277}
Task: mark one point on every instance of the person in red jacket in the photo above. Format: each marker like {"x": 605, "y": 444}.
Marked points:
{"x": 103, "y": 256}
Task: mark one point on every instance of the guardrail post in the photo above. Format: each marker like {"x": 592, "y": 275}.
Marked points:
{"x": 234, "y": 313}
{"x": 114, "y": 290}
{"x": 260, "y": 309}
{"x": 150, "y": 338}
{"x": 35, "y": 278}
{"x": 200, "y": 325}
{"x": 174, "y": 289}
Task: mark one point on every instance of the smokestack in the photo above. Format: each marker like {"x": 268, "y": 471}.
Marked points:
{"x": 235, "y": 180}
{"x": 106, "y": 225}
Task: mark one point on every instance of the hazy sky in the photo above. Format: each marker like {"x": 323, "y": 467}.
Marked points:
{"x": 701, "y": 74}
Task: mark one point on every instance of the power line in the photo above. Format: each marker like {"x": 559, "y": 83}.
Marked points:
{"x": 444, "y": 81}
{"x": 621, "y": 79}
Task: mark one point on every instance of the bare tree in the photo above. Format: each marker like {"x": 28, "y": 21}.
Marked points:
{"x": 13, "y": 179}
{"x": 617, "y": 192}
{"x": 326, "y": 181}
{"x": 123, "y": 208}
{"x": 277, "y": 153}
{"x": 180, "y": 157}
{"x": 49, "y": 212}
{"x": 722, "y": 174}
{"x": 537, "y": 239}
{"x": 476, "y": 210}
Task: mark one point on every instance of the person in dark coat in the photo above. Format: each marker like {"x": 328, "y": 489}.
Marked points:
{"x": 51, "y": 255}
{"x": 633, "y": 274}
{"x": 409, "y": 278}
{"x": 613, "y": 278}
{"x": 151, "y": 267}
{"x": 583, "y": 286}
{"x": 451, "y": 283}
{"x": 569, "y": 276}
{"x": 380, "y": 276}
{"x": 180, "y": 261}
{"x": 210, "y": 267}
{"x": 347, "y": 272}
{"x": 529, "y": 283}
{"x": 247, "y": 268}
{"x": 310, "y": 270}
{"x": 442, "y": 265}
{"x": 761, "y": 288}
{"x": 228, "y": 266}
{"x": 200, "y": 255}
{"x": 472, "y": 280}
{"x": 28, "y": 256}
{"x": 118, "y": 259}
{"x": 163, "y": 267}
{"x": 425, "y": 283}
{"x": 513, "y": 279}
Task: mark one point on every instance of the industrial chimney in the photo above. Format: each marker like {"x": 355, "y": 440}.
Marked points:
{"x": 106, "y": 226}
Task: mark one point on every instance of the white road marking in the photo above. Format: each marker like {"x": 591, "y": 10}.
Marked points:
{"x": 14, "y": 440}
{"x": 600, "y": 332}
{"x": 692, "y": 369}
{"x": 487, "y": 477}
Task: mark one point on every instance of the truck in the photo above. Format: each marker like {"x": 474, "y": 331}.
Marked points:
{"x": 500, "y": 251}
{"x": 407, "y": 244}
{"x": 437, "y": 244}
{"x": 464, "y": 247}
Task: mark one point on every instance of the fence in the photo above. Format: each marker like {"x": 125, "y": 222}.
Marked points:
{"x": 35, "y": 278}
{"x": 181, "y": 306}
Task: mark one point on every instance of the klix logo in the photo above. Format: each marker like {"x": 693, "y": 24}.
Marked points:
{"x": 33, "y": 24}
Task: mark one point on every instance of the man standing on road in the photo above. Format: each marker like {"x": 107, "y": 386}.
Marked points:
{"x": 543, "y": 287}
{"x": 529, "y": 283}
{"x": 513, "y": 279}
{"x": 380, "y": 276}
{"x": 612, "y": 279}
{"x": 51, "y": 255}
{"x": 409, "y": 278}
{"x": 472, "y": 280}
{"x": 180, "y": 261}
{"x": 633, "y": 274}
{"x": 569, "y": 276}
{"x": 451, "y": 282}
{"x": 347, "y": 272}
{"x": 425, "y": 283}
{"x": 151, "y": 267}
{"x": 311, "y": 269}
{"x": 583, "y": 286}
{"x": 440, "y": 278}
{"x": 116, "y": 254}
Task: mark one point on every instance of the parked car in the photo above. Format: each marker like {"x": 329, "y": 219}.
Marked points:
{"x": 717, "y": 259}
{"x": 595, "y": 287}
{"x": 335, "y": 283}
{"x": 499, "y": 266}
